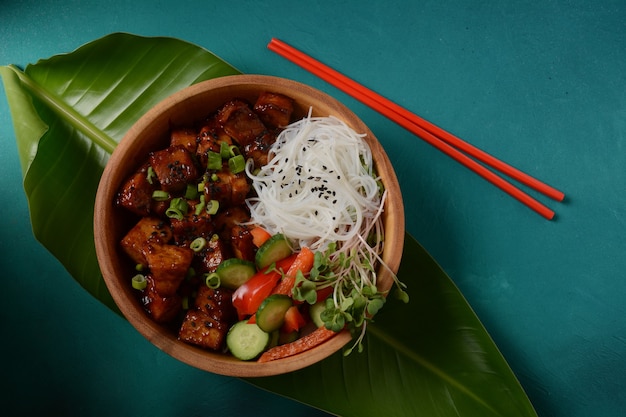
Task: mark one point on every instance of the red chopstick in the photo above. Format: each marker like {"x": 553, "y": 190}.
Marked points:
{"x": 432, "y": 134}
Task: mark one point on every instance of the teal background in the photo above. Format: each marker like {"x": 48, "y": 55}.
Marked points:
{"x": 540, "y": 85}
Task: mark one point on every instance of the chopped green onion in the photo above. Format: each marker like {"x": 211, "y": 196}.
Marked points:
{"x": 191, "y": 193}
{"x": 177, "y": 209}
{"x": 214, "y": 160}
{"x": 150, "y": 175}
{"x": 224, "y": 150}
{"x": 237, "y": 164}
{"x": 212, "y": 207}
{"x": 212, "y": 280}
{"x": 185, "y": 302}
{"x": 200, "y": 206}
{"x": 198, "y": 244}
{"x": 214, "y": 177}
{"x": 233, "y": 151}
{"x": 201, "y": 186}
{"x": 139, "y": 282}
{"x": 160, "y": 195}
{"x": 139, "y": 267}
{"x": 190, "y": 273}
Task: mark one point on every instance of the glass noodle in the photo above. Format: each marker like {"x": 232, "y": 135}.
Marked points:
{"x": 319, "y": 186}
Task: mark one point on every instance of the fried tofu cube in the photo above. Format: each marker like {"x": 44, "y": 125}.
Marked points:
{"x": 185, "y": 138}
{"x": 214, "y": 253}
{"x": 274, "y": 109}
{"x": 228, "y": 188}
{"x": 225, "y": 220}
{"x": 161, "y": 309}
{"x": 192, "y": 226}
{"x": 136, "y": 192}
{"x": 217, "y": 303}
{"x": 259, "y": 148}
{"x": 241, "y": 242}
{"x": 240, "y": 122}
{"x": 174, "y": 167}
{"x": 168, "y": 265}
{"x": 210, "y": 138}
{"x": 146, "y": 230}
{"x": 200, "y": 329}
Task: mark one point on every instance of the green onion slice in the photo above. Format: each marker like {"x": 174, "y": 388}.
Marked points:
{"x": 214, "y": 160}
{"x": 237, "y": 164}
{"x": 177, "y": 209}
{"x": 212, "y": 207}
{"x": 224, "y": 150}
{"x": 190, "y": 273}
{"x": 191, "y": 193}
{"x": 198, "y": 244}
{"x": 200, "y": 206}
{"x": 233, "y": 151}
{"x": 150, "y": 175}
{"x": 212, "y": 280}
{"x": 139, "y": 282}
{"x": 160, "y": 195}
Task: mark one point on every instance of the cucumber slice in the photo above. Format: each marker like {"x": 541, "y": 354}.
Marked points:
{"x": 274, "y": 338}
{"x": 274, "y": 249}
{"x": 271, "y": 313}
{"x": 246, "y": 340}
{"x": 315, "y": 311}
{"x": 234, "y": 272}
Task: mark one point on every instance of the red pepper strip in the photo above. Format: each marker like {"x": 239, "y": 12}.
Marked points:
{"x": 324, "y": 293}
{"x": 249, "y": 296}
{"x": 294, "y": 320}
{"x": 303, "y": 262}
{"x": 317, "y": 337}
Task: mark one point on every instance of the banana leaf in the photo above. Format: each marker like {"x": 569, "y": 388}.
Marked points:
{"x": 431, "y": 357}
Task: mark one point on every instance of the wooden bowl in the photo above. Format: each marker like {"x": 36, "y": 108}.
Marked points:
{"x": 150, "y": 133}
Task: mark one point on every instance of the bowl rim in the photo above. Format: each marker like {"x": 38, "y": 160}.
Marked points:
{"x": 107, "y": 250}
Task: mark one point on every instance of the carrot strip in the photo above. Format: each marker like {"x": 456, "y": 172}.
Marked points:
{"x": 316, "y": 338}
{"x": 303, "y": 262}
{"x": 259, "y": 236}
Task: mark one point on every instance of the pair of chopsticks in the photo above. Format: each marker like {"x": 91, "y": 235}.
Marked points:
{"x": 435, "y": 136}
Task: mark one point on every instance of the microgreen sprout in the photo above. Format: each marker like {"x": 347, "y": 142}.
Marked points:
{"x": 355, "y": 298}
